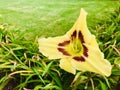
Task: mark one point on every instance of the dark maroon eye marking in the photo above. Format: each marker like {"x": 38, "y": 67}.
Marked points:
{"x": 74, "y": 35}
{"x": 85, "y": 51}
{"x": 64, "y": 43}
{"x": 77, "y": 58}
{"x": 63, "y": 51}
{"x": 80, "y": 36}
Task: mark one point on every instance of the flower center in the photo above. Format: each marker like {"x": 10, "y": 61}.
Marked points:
{"x": 74, "y": 47}
{"x": 77, "y": 46}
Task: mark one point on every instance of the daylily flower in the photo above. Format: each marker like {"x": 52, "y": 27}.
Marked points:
{"x": 77, "y": 49}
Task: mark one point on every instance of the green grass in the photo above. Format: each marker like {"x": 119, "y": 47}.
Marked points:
{"x": 22, "y": 66}
{"x": 48, "y": 16}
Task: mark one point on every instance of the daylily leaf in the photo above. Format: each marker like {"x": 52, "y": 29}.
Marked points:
{"x": 77, "y": 49}
{"x": 103, "y": 85}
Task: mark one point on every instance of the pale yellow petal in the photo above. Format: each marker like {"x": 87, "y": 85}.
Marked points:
{"x": 102, "y": 65}
{"x": 95, "y": 62}
{"x": 93, "y": 42}
{"x": 66, "y": 65}
{"x": 81, "y": 25}
{"x": 49, "y": 47}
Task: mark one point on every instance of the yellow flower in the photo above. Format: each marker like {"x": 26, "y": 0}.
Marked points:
{"x": 1, "y": 27}
{"x": 77, "y": 49}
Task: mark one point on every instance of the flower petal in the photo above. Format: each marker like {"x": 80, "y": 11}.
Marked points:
{"x": 96, "y": 59}
{"x": 81, "y": 26}
{"x": 67, "y": 66}
{"x": 49, "y": 47}
{"x": 95, "y": 62}
{"x": 93, "y": 42}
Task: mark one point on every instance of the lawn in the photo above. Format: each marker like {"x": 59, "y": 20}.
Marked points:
{"x": 23, "y": 67}
{"x": 48, "y": 16}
